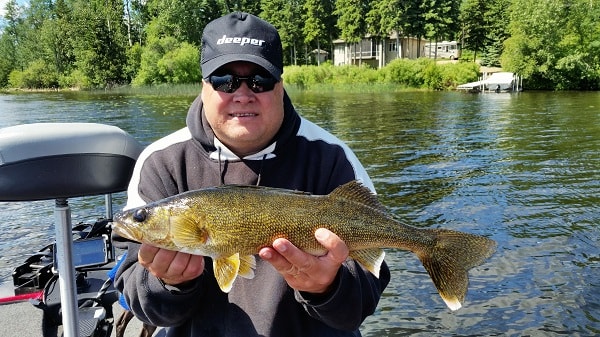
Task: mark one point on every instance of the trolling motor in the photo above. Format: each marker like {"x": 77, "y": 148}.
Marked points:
{"x": 61, "y": 161}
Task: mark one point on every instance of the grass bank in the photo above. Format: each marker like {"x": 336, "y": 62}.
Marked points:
{"x": 400, "y": 74}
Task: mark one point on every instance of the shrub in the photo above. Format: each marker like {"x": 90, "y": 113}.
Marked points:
{"x": 410, "y": 73}
{"x": 180, "y": 65}
{"x": 76, "y": 79}
{"x": 37, "y": 75}
{"x": 134, "y": 61}
{"x": 16, "y": 79}
{"x": 152, "y": 53}
{"x": 420, "y": 73}
{"x": 454, "y": 74}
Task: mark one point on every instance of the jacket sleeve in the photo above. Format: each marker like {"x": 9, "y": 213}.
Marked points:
{"x": 354, "y": 297}
{"x": 143, "y": 291}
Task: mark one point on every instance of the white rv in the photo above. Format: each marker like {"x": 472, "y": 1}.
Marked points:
{"x": 442, "y": 50}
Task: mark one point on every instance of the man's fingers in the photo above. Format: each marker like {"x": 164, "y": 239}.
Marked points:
{"x": 147, "y": 253}
{"x": 291, "y": 253}
{"x": 170, "y": 266}
{"x": 337, "y": 250}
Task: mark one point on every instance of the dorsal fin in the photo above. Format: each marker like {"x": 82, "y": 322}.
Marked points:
{"x": 357, "y": 192}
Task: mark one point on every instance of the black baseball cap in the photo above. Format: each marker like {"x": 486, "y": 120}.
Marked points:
{"x": 241, "y": 37}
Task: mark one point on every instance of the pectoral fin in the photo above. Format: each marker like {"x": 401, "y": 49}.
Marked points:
{"x": 226, "y": 270}
{"x": 371, "y": 259}
{"x": 187, "y": 233}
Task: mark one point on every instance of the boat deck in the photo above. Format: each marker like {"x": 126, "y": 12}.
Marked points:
{"x": 24, "y": 320}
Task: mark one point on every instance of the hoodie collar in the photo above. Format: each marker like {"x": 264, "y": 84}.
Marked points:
{"x": 222, "y": 153}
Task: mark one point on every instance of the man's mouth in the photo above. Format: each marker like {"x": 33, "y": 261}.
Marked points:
{"x": 243, "y": 114}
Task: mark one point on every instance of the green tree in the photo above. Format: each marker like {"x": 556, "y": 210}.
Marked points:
{"x": 12, "y": 35}
{"x": 314, "y": 29}
{"x": 46, "y": 40}
{"x": 135, "y": 20}
{"x": 183, "y": 20}
{"x": 167, "y": 60}
{"x": 498, "y": 20}
{"x": 180, "y": 65}
{"x": 38, "y": 75}
{"x": 441, "y": 18}
{"x": 33, "y": 18}
{"x": 150, "y": 55}
{"x": 100, "y": 41}
{"x": 248, "y": 6}
{"x": 56, "y": 37}
{"x": 399, "y": 16}
{"x": 579, "y": 65}
{"x": 473, "y": 25}
{"x": 6, "y": 63}
{"x": 351, "y": 22}
{"x": 286, "y": 16}
{"x": 414, "y": 23}
{"x": 552, "y": 44}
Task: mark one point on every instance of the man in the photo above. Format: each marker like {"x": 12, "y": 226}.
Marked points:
{"x": 243, "y": 129}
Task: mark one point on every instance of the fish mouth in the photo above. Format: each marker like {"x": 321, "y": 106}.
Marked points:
{"x": 121, "y": 228}
{"x": 125, "y": 232}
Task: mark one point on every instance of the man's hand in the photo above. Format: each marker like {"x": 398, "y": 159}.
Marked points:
{"x": 171, "y": 267}
{"x": 305, "y": 272}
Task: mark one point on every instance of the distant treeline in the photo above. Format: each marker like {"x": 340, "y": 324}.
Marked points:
{"x": 552, "y": 44}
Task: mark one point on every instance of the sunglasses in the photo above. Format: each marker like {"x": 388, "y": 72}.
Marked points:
{"x": 230, "y": 83}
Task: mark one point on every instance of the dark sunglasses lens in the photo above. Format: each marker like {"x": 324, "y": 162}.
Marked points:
{"x": 262, "y": 84}
{"x": 230, "y": 83}
{"x": 225, "y": 83}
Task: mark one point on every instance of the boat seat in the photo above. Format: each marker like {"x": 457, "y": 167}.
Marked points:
{"x": 63, "y": 160}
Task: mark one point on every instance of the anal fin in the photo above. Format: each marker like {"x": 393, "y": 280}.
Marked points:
{"x": 247, "y": 266}
{"x": 371, "y": 259}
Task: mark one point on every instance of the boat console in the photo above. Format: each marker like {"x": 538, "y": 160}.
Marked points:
{"x": 59, "y": 161}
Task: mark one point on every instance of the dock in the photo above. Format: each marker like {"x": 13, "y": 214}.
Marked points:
{"x": 496, "y": 82}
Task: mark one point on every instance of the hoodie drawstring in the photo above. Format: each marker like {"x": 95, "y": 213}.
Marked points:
{"x": 221, "y": 172}
{"x": 262, "y": 164}
{"x": 222, "y": 169}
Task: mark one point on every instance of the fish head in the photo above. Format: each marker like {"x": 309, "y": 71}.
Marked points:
{"x": 142, "y": 224}
{"x": 164, "y": 226}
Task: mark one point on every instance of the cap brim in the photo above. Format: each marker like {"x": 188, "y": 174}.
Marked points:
{"x": 210, "y": 66}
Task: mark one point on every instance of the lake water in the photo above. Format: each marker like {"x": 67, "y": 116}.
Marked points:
{"x": 523, "y": 169}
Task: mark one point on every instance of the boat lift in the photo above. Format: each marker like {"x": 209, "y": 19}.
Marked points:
{"x": 44, "y": 161}
{"x": 496, "y": 82}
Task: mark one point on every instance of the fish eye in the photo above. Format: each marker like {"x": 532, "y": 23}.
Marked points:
{"x": 140, "y": 215}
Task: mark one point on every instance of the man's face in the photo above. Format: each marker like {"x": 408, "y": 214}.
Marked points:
{"x": 244, "y": 121}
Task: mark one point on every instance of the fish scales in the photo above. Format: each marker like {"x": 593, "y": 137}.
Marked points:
{"x": 232, "y": 223}
{"x": 253, "y": 222}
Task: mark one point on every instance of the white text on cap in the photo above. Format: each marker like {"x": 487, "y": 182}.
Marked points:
{"x": 240, "y": 40}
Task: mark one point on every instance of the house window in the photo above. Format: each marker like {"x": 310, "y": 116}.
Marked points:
{"x": 392, "y": 46}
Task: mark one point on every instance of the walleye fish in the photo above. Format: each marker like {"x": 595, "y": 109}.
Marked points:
{"x": 232, "y": 223}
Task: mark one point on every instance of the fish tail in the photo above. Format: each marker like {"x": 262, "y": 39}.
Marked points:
{"x": 449, "y": 260}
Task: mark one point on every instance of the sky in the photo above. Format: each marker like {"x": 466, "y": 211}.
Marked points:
{"x": 3, "y": 5}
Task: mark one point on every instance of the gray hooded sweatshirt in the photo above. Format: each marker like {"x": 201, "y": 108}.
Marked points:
{"x": 301, "y": 157}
